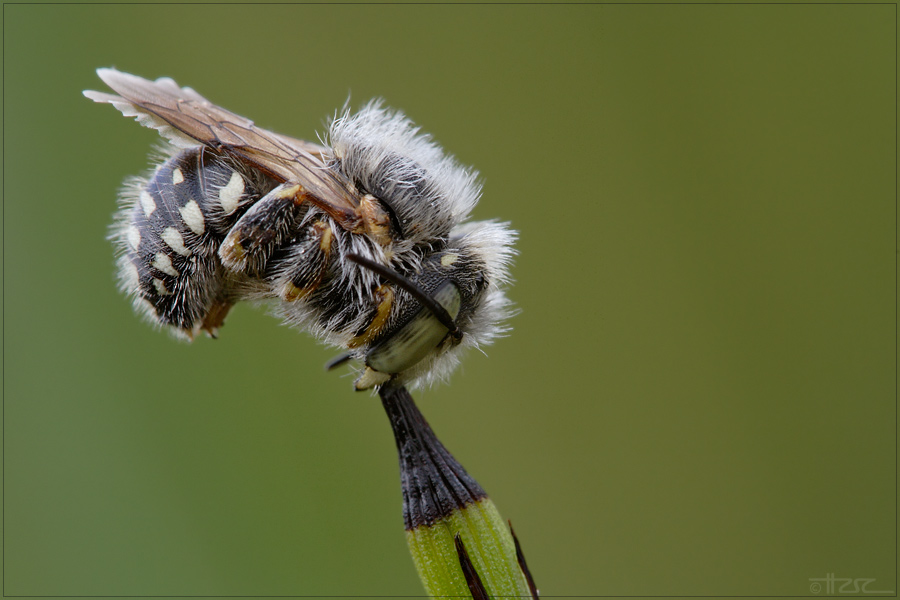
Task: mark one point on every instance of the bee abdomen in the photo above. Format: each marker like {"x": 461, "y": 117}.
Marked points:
{"x": 169, "y": 232}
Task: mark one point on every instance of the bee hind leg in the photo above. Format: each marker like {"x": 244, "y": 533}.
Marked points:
{"x": 215, "y": 317}
{"x": 263, "y": 228}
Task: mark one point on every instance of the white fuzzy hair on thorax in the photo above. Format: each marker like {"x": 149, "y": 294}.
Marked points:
{"x": 382, "y": 151}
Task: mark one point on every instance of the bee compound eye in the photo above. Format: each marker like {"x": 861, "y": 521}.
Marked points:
{"x": 414, "y": 340}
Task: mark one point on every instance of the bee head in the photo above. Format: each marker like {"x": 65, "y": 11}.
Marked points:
{"x": 461, "y": 304}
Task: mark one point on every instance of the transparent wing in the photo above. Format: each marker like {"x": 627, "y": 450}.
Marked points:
{"x": 185, "y": 117}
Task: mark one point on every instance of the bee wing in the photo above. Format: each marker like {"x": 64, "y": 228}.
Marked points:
{"x": 185, "y": 118}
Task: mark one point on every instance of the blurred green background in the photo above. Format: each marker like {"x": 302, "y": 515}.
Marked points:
{"x": 697, "y": 398}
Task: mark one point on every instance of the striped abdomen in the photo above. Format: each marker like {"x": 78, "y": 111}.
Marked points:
{"x": 169, "y": 232}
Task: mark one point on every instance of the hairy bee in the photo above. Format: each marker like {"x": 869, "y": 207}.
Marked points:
{"x": 361, "y": 240}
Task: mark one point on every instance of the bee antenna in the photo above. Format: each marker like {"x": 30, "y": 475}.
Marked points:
{"x": 408, "y": 286}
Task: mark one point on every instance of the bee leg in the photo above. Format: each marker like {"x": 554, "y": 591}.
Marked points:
{"x": 338, "y": 360}
{"x": 301, "y": 269}
{"x": 384, "y": 301}
{"x": 215, "y": 317}
{"x": 263, "y": 228}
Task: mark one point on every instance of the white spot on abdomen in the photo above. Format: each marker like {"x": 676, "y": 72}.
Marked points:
{"x": 172, "y": 238}
{"x": 134, "y": 237}
{"x": 160, "y": 287}
{"x": 147, "y": 203}
{"x": 177, "y": 176}
{"x": 193, "y": 217}
{"x": 230, "y": 195}
{"x": 162, "y": 262}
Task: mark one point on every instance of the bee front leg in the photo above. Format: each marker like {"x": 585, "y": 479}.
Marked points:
{"x": 384, "y": 302}
{"x": 384, "y": 298}
{"x": 262, "y": 229}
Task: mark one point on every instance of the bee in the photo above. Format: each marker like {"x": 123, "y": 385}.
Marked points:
{"x": 362, "y": 240}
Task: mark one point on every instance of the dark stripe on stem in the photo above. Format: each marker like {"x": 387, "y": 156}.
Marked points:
{"x": 520, "y": 558}
{"x": 469, "y": 572}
